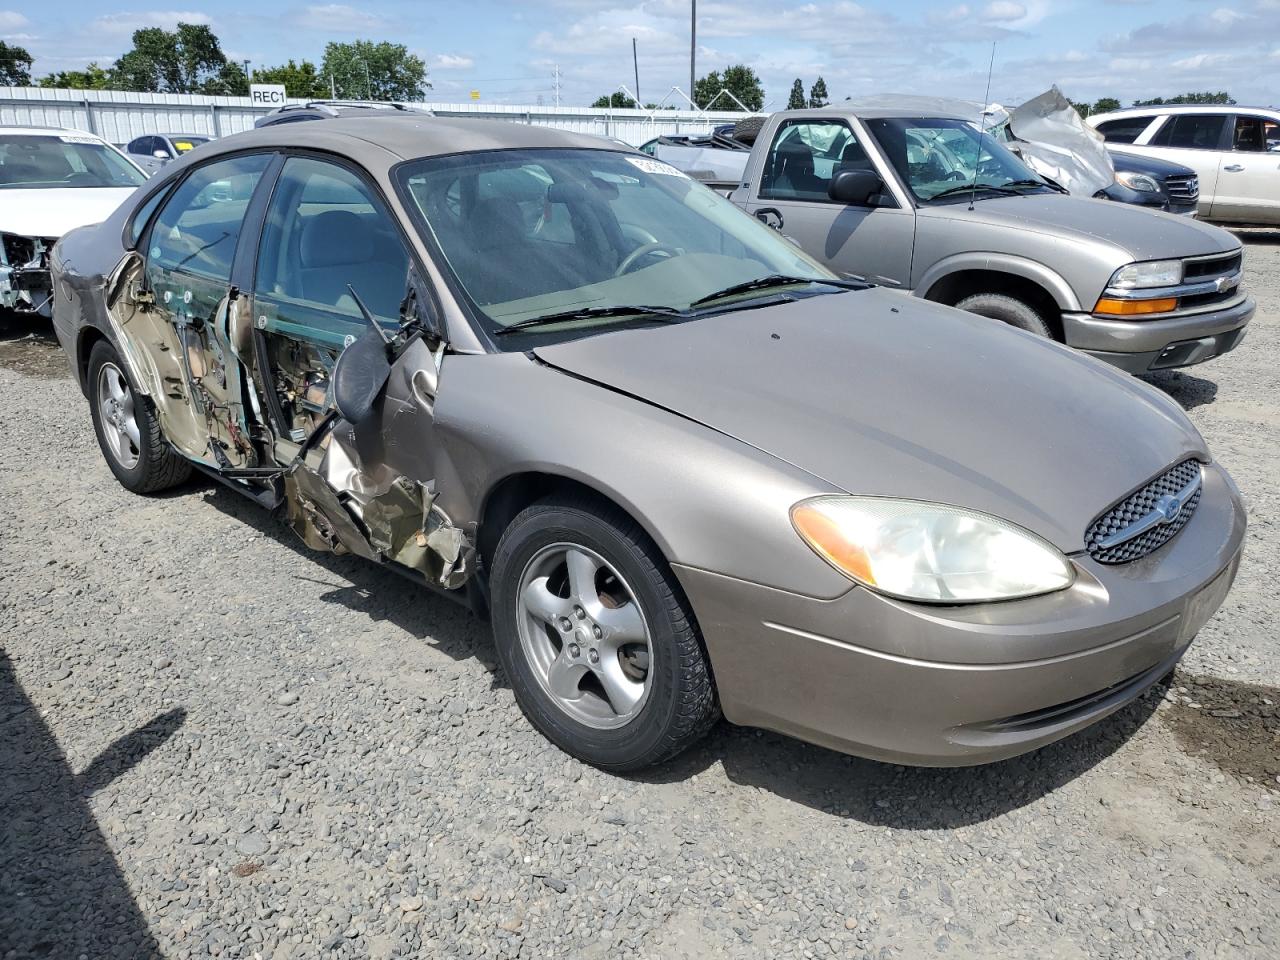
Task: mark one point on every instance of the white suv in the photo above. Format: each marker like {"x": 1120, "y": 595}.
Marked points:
{"x": 1235, "y": 151}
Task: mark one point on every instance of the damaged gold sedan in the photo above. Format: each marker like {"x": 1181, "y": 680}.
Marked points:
{"x": 682, "y": 466}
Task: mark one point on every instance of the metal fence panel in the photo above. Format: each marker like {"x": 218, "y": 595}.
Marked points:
{"x": 118, "y": 116}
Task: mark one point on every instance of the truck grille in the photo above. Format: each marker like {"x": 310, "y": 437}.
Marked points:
{"x": 1210, "y": 268}
{"x": 1142, "y": 505}
{"x": 1183, "y": 187}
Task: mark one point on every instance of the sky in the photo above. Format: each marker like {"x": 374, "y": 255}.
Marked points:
{"x": 510, "y": 50}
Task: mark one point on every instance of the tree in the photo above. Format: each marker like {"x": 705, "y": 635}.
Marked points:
{"x": 818, "y": 94}
{"x": 301, "y": 81}
{"x": 187, "y": 60}
{"x": 1106, "y": 105}
{"x": 375, "y": 71}
{"x": 796, "y": 101}
{"x": 1206, "y": 97}
{"x": 92, "y": 77}
{"x": 740, "y": 80}
{"x": 614, "y": 101}
{"x": 15, "y": 66}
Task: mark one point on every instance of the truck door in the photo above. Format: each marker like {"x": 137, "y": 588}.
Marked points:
{"x": 1249, "y": 175}
{"x": 793, "y": 176}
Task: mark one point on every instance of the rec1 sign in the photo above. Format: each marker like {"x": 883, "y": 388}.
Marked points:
{"x": 267, "y": 94}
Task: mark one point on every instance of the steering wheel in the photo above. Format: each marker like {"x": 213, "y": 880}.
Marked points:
{"x": 645, "y": 250}
{"x": 955, "y": 175}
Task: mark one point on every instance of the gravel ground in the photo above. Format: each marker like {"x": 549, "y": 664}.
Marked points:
{"x": 216, "y": 743}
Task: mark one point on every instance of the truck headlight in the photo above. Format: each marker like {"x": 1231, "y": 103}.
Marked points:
{"x": 1137, "y": 181}
{"x": 1151, "y": 273}
{"x": 929, "y": 551}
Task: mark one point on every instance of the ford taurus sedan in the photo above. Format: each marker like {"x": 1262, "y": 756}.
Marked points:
{"x": 682, "y": 467}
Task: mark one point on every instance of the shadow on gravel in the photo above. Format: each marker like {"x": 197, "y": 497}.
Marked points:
{"x": 906, "y": 798}
{"x": 28, "y": 346}
{"x": 1189, "y": 391}
{"x": 378, "y": 593}
{"x": 1233, "y": 725}
{"x": 1258, "y": 235}
{"x": 62, "y": 893}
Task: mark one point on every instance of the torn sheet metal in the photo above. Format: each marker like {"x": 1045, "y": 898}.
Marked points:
{"x": 318, "y": 516}
{"x": 1056, "y": 143}
{"x": 405, "y": 526}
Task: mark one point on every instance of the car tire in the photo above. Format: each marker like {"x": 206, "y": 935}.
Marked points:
{"x": 747, "y": 130}
{"x": 1007, "y": 309}
{"x": 127, "y": 428}
{"x": 574, "y": 703}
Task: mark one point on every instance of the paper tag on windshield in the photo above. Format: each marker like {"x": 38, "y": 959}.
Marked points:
{"x": 655, "y": 166}
{"x": 71, "y": 138}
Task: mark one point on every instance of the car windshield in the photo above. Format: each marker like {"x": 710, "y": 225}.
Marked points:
{"x": 934, "y": 155}
{"x": 183, "y": 144}
{"x": 549, "y": 233}
{"x": 63, "y": 160}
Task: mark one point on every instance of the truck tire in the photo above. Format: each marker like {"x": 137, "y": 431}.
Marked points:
{"x": 746, "y": 131}
{"x": 1007, "y": 309}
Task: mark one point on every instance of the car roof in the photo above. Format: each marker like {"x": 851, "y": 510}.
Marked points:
{"x": 875, "y": 113}
{"x": 389, "y": 138}
{"x": 6, "y": 130}
{"x": 1160, "y": 109}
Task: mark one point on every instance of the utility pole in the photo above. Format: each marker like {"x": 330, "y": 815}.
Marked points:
{"x": 635, "y": 62}
{"x": 693, "y": 46}
{"x": 247, "y": 76}
{"x": 557, "y": 84}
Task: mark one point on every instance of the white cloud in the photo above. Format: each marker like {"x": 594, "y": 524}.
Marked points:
{"x": 11, "y": 20}
{"x": 123, "y": 24}
{"x": 340, "y": 18}
{"x": 449, "y": 61}
{"x": 1003, "y": 10}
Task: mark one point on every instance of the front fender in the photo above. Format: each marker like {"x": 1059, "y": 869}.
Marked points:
{"x": 1053, "y": 282}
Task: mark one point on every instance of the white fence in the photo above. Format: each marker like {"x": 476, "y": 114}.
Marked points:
{"x": 118, "y": 116}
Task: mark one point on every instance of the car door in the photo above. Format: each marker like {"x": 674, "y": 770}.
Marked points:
{"x": 329, "y": 250}
{"x": 1249, "y": 174}
{"x": 195, "y": 309}
{"x": 803, "y": 157}
{"x": 1196, "y": 140}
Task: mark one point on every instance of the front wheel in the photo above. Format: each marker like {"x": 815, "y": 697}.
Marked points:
{"x": 127, "y": 428}
{"x": 1007, "y": 309}
{"x": 596, "y": 637}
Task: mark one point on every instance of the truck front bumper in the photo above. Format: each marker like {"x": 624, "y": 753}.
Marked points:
{"x": 1160, "y": 343}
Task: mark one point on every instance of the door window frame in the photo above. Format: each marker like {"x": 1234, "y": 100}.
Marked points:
{"x": 767, "y": 158}
{"x": 1224, "y": 135}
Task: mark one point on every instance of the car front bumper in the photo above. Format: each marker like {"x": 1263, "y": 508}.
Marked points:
{"x": 951, "y": 686}
{"x": 1160, "y": 343}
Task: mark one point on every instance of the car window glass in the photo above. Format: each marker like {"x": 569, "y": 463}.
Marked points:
{"x": 137, "y": 145}
{"x": 198, "y": 228}
{"x": 186, "y": 144}
{"x": 57, "y": 161}
{"x": 326, "y": 229}
{"x": 806, "y": 155}
{"x": 142, "y": 215}
{"x": 1191, "y": 131}
{"x": 1124, "y": 129}
{"x": 1249, "y": 135}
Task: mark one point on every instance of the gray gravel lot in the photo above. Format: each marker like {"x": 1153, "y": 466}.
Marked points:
{"x": 216, "y": 743}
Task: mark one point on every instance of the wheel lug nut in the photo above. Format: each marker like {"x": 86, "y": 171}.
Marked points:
{"x": 579, "y": 612}
{"x": 593, "y": 656}
{"x": 597, "y": 631}
{"x": 574, "y": 651}
{"x": 565, "y": 624}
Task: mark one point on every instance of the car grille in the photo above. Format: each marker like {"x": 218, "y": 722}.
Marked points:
{"x": 1138, "y": 506}
{"x": 1184, "y": 188}
{"x": 1210, "y": 268}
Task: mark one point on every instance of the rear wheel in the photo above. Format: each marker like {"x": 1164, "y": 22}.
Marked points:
{"x": 596, "y": 637}
{"x": 1007, "y": 309}
{"x": 128, "y": 431}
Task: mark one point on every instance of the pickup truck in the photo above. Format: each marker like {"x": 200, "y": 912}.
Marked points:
{"x": 898, "y": 200}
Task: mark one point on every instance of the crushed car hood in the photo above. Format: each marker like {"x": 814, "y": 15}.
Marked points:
{"x": 883, "y": 395}
{"x": 52, "y": 212}
{"x": 1141, "y": 233}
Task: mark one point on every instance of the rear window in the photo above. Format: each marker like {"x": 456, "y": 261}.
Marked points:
{"x": 62, "y": 160}
{"x": 1124, "y": 130}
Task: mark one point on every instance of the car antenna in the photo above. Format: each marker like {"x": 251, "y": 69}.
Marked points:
{"x": 982, "y": 125}
{"x": 368, "y": 315}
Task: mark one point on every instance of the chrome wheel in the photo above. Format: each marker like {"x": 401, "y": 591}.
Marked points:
{"x": 584, "y": 635}
{"x": 119, "y": 424}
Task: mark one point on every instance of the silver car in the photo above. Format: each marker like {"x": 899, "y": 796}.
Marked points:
{"x": 682, "y": 467}
{"x": 153, "y": 151}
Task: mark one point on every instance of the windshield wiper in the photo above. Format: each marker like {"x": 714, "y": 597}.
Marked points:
{"x": 774, "y": 280}
{"x": 972, "y": 188}
{"x": 593, "y": 313}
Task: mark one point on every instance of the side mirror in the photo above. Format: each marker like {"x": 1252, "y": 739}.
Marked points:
{"x": 363, "y": 368}
{"x": 860, "y": 187}
{"x": 771, "y": 217}
{"x": 161, "y": 154}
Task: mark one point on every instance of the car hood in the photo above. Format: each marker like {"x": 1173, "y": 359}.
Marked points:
{"x": 52, "y": 212}
{"x": 1150, "y": 165}
{"x": 1141, "y": 234}
{"x": 882, "y": 395}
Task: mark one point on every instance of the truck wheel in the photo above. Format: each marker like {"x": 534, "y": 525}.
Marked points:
{"x": 596, "y": 637}
{"x": 127, "y": 428}
{"x": 746, "y": 131}
{"x": 1010, "y": 310}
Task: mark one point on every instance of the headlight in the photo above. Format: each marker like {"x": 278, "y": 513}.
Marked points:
{"x": 1138, "y": 181}
{"x": 1153, "y": 273}
{"x": 929, "y": 551}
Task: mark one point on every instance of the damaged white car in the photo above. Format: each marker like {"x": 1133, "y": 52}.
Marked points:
{"x": 51, "y": 181}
